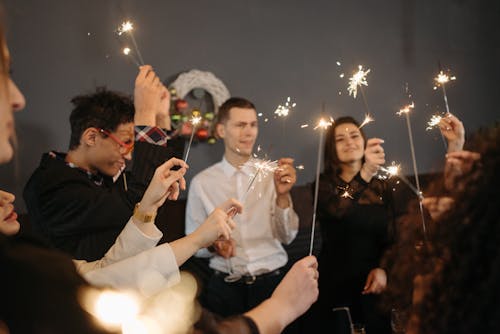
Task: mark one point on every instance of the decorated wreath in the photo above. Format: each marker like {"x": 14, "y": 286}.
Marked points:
{"x": 190, "y": 99}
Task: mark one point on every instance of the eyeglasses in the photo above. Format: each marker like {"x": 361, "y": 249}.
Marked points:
{"x": 124, "y": 147}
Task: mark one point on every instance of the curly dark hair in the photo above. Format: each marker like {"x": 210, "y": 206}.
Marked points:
{"x": 103, "y": 109}
{"x": 460, "y": 265}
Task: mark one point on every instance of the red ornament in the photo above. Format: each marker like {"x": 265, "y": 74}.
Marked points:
{"x": 181, "y": 104}
{"x": 202, "y": 134}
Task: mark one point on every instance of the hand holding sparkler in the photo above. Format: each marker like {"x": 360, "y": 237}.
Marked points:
{"x": 285, "y": 177}
{"x": 165, "y": 184}
{"x": 453, "y": 130}
{"x": 374, "y": 158}
{"x": 218, "y": 226}
{"x": 148, "y": 94}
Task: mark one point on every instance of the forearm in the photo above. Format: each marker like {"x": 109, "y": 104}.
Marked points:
{"x": 185, "y": 247}
{"x": 285, "y": 223}
{"x": 269, "y": 316}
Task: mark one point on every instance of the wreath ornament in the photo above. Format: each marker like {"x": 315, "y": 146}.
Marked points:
{"x": 192, "y": 81}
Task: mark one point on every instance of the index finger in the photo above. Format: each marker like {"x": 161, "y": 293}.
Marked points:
{"x": 175, "y": 162}
{"x": 232, "y": 204}
{"x": 143, "y": 71}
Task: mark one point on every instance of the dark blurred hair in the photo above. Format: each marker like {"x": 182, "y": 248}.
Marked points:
{"x": 39, "y": 290}
{"x": 233, "y": 102}
{"x": 331, "y": 160}
{"x": 462, "y": 258}
{"x": 103, "y": 109}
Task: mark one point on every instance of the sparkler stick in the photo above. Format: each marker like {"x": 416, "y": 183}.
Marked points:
{"x": 322, "y": 125}
{"x": 195, "y": 120}
{"x": 406, "y": 111}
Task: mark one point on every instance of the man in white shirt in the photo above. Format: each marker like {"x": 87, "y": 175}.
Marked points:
{"x": 249, "y": 266}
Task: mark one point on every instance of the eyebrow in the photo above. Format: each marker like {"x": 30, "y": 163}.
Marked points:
{"x": 350, "y": 132}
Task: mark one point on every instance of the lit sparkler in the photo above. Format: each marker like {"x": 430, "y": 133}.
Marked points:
{"x": 284, "y": 110}
{"x": 368, "y": 119}
{"x": 358, "y": 79}
{"x": 406, "y": 111}
{"x": 441, "y": 80}
{"x": 195, "y": 120}
{"x": 127, "y": 28}
{"x": 433, "y": 122}
{"x": 323, "y": 124}
{"x": 393, "y": 170}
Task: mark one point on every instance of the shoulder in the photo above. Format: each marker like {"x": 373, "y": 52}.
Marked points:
{"x": 212, "y": 173}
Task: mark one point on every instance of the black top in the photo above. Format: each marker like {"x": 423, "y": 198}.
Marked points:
{"x": 83, "y": 214}
{"x": 355, "y": 220}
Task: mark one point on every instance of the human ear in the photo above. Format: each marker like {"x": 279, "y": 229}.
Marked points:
{"x": 220, "y": 130}
{"x": 89, "y": 137}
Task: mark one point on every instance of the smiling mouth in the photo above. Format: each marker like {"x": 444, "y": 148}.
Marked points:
{"x": 12, "y": 217}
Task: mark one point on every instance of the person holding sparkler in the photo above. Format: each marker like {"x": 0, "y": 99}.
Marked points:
{"x": 247, "y": 268}
{"x": 355, "y": 213}
{"x": 75, "y": 200}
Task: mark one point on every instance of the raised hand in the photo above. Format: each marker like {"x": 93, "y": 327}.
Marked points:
{"x": 165, "y": 183}
{"x": 453, "y": 130}
{"x": 148, "y": 94}
{"x": 374, "y": 158}
{"x": 285, "y": 177}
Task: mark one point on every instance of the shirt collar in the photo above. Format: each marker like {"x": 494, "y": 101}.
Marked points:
{"x": 229, "y": 170}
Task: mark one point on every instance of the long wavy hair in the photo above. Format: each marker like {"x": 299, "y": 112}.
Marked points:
{"x": 460, "y": 264}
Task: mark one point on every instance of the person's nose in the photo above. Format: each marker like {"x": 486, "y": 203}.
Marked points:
{"x": 17, "y": 99}
{"x": 127, "y": 156}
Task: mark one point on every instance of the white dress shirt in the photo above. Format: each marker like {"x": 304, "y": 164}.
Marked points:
{"x": 260, "y": 229}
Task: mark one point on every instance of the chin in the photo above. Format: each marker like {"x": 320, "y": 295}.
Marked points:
{"x": 10, "y": 228}
{"x": 6, "y": 153}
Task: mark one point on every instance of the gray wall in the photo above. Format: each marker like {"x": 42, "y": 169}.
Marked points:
{"x": 263, "y": 50}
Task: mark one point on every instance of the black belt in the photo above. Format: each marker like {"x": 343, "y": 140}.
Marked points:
{"x": 251, "y": 279}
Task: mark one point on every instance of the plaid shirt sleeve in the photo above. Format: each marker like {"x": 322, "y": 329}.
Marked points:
{"x": 151, "y": 134}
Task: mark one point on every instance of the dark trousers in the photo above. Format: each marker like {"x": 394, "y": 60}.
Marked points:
{"x": 228, "y": 299}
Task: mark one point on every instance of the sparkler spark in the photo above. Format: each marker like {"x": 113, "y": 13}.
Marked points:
{"x": 389, "y": 171}
{"x": 443, "y": 78}
{"x": 304, "y": 126}
{"x": 324, "y": 124}
{"x": 368, "y": 119}
{"x": 406, "y": 109}
{"x": 283, "y": 110}
{"x": 358, "y": 79}
{"x": 126, "y": 51}
{"x": 125, "y": 27}
{"x": 433, "y": 122}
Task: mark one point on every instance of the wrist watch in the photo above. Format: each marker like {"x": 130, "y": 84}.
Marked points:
{"x": 143, "y": 217}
